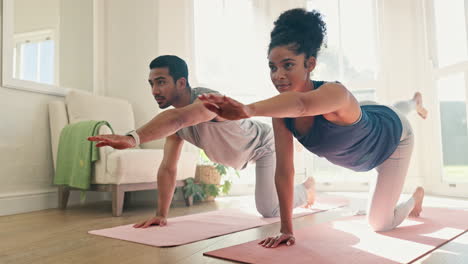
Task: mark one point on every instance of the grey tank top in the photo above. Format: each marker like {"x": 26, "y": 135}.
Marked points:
{"x": 232, "y": 143}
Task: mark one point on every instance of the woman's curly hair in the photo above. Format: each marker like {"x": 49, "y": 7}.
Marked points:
{"x": 301, "y": 30}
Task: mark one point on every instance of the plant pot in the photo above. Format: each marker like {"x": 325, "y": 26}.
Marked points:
{"x": 207, "y": 174}
{"x": 209, "y": 199}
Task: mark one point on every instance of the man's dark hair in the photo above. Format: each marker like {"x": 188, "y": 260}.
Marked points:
{"x": 177, "y": 66}
{"x": 302, "y": 31}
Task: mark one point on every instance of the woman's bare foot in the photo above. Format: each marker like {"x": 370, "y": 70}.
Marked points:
{"x": 309, "y": 184}
{"x": 418, "y": 197}
{"x": 419, "y": 105}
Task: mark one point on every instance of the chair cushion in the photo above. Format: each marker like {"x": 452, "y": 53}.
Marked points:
{"x": 141, "y": 165}
{"x": 86, "y": 106}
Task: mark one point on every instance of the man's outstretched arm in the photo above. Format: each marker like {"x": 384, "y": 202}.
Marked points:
{"x": 170, "y": 121}
{"x": 162, "y": 125}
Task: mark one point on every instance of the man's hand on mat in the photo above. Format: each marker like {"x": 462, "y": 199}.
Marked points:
{"x": 158, "y": 220}
{"x": 226, "y": 107}
{"x": 115, "y": 141}
{"x": 275, "y": 241}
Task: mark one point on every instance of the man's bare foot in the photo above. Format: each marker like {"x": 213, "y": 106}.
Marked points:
{"x": 309, "y": 184}
{"x": 418, "y": 197}
{"x": 419, "y": 105}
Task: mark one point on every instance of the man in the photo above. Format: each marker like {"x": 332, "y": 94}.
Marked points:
{"x": 232, "y": 143}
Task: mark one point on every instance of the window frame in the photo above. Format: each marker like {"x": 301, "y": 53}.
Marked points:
{"x": 34, "y": 37}
{"x": 8, "y": 80}
{"x": 435, "y": 163}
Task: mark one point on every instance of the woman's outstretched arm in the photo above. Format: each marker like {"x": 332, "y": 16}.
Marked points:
{"x": 328, "y": 98}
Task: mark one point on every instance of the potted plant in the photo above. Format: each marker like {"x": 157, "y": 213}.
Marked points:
{"x": 211, "y": 179}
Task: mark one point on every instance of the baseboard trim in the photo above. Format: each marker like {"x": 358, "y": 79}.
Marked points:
{"x": 17, "y": 203}
{"x": 27, "y": 202}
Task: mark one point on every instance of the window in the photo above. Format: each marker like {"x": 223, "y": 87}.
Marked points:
{"x": 446, "y": 166}
{"x": 450, "y": 72}
{"x": 231, "y": 41}
{"x": 450, "y": 18}
{"x": 348, "y": 57}
{"x": 34, "y": 57}
{"x": 454, "y": 136}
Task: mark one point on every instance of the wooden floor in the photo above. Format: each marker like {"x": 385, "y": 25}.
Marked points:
{"x": 55, "y": 236}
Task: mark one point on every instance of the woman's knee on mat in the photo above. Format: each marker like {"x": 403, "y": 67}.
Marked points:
{"x": 380, "y": 223}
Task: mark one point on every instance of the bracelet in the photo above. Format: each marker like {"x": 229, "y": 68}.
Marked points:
{"x": 135, "y": 136}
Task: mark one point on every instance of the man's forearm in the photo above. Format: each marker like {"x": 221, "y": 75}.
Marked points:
{"x": 161, "y": 126}
{"x": 166, "y": 186}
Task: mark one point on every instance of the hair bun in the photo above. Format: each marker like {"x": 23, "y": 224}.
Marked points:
{"x": 295, "y": 19}
{"x": 301, "y": 27}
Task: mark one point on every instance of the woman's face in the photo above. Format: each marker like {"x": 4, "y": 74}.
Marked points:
{"x": 288, "y": 71}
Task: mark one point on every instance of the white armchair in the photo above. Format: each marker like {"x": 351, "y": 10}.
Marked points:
{"x": 117, "y": 171}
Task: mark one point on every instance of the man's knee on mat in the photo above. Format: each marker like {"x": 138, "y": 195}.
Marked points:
{"x": 268, "y": 212}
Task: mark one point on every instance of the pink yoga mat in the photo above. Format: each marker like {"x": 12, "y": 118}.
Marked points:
{"x": 190, "y": 228}
{"x": 350, "y": 240}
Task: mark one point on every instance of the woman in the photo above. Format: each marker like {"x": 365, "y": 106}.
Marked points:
{"x": 328, "y": 120}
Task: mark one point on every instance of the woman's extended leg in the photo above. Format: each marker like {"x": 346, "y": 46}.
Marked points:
{"x": 415, "y": 103}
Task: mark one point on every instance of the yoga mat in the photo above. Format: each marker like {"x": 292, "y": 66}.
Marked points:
{"x": 190, "y": 228}
{"x": 350, "y": 240}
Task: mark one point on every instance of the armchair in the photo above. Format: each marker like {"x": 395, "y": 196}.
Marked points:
{"x": 117, "y": 171}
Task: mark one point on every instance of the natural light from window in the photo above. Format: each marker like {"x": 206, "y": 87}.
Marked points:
{"x": 450, "y": 18}
{"x": 231, "y": 57}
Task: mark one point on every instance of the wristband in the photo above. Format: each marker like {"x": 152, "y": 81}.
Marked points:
{"x": 135, "y": 136}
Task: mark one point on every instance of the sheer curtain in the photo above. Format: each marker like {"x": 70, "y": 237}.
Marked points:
{"x": 231, "y": 38}
{"x": 349, "y": 57}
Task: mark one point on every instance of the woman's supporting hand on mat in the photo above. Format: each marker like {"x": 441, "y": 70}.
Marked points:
{"x": 273, "y": 242}
{"x": 226, "y": 107}
{"x": 158, "y": 220}
{"x": 115, "y": 141}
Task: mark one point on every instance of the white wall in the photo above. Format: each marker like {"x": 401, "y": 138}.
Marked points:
{"x": 125, "y": 41}
{"x": 76, "y": 44}
{"x": 26, "y": 170}
{"x": 132, "y": 34}
{"x": 131, "y": 43}
{"x": 46, "y": 15}
{"x": 136, "y": 33}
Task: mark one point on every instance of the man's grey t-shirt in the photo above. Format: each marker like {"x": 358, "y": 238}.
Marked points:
{"x": 232, "y": 143}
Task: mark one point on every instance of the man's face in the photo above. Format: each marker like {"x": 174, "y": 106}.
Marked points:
{"x": 163, "y": 87}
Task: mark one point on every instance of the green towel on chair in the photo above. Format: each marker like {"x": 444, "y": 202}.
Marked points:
{"x": 76, "y": 154}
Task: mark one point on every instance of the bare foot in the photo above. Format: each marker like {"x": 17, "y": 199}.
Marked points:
{"x": 309, "y": 184}
{"x": 419, "y": 105}
{"x": 418, "y": 196}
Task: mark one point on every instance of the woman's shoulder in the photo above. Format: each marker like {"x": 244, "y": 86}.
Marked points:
{"x": 317, "y": 83}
